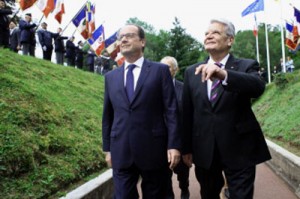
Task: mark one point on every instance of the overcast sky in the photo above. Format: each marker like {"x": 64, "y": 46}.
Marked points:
{"x": 194, "y": 15}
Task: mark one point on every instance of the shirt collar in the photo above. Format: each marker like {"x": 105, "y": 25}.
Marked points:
{"x": 138, "y": 63}
{"x": 223, "y": 61}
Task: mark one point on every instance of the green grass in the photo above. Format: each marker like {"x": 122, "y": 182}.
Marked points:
{"x": 278, "y": 111}
{"x": 50, "y": 130}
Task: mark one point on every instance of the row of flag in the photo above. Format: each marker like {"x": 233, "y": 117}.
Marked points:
{"x": 84, "y": 21}
{"x": 292, "y": 26}
{"x": 46, "y": 6}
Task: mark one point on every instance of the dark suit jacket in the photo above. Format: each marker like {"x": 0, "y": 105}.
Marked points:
{"x": 59, "y": 45}
{"x": 14, "y": 39}
{"x": 46, "y": 38}
{"x": 140, "y": 132}
{"x": 179, "y": 90}
{"x": 230, "y": 127}
{"x": 27, "y": 32}
{"x": 71, "y": 50}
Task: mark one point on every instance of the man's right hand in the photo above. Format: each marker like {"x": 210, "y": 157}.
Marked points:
{"x": 108, "y": 159}
{"x": 44, "y": 48}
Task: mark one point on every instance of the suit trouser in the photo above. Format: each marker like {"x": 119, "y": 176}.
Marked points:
{"x": 28, "y": 49}
{"x": 154, "y": 183}
{"x": 182, "y": 171}
{"x": 47, "y": 54}
{"x": 59, "y": 58}
{"x": 240, "y": 181}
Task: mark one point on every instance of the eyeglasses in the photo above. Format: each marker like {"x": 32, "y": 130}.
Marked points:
{"x": 127, "y": 36}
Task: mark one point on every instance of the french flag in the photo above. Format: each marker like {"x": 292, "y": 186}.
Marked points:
{"x": 97, "y": 40}
{"x": 81, "y": 23}
{"x": 46, "y": 6}
{"x": 59, "y": 10}
{"x": 112, "y": 46}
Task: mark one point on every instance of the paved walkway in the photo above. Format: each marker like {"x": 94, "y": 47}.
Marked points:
{"x": 267, "y": 185}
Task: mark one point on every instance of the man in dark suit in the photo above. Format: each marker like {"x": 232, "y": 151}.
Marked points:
{"x": 221, "y": 131}
{"x": 139, "y": 125}
{"x": 46, "y": 40}
{"x": 182, "y": 170}
{"x": 27, "y": 35}
{"x": 59, "y": 47}
{"x": 71, "y": 51}
{"x": 14, "y": 37}
{"x": 4, "y": 24}
{"x": 79, "y": 55}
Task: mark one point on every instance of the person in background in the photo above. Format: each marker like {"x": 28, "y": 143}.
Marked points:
{"x": 289, "y": 65}
{"x": 27, "y": 35}
{"x": 4, "y": 25}
{"x": 59, "y": 47}
{"x": 79, "y": 55}
{"x": 14, "y": 37}
{"x": 46, "y": 39}
{"x": 221, "y": 130}
{"x": 182, "y": 170}
{"x": 71, "y": 51}
{"x": 140, "y": 123}
{"x": 90, "y": 60}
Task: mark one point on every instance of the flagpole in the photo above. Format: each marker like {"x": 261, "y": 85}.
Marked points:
{"x": 268, "y": 54}
{"x": 283, "y": 69}
{"x": 74, "y": 17}
{"x": 257, "y": 48}
{"x": 256, "y": 39}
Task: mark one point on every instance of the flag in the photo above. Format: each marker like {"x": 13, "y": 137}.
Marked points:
{"x": 297, "y": 17}
{"x": 24, "y": 4}
{"x": 90, "y": 17}
{"x": 97, "y": 40}
{"x": 120, "y": 59}
{"x": 292, "y": 36}
{"x": 80, "y": 22}
{"x": 84, "y": 20}
{"x": 255, "y": 29}
{"x": 59, "y": 10}
{"x": 257, "y": 5}
{"x": 112, "y": 46}
{"x": 46, "y": 6}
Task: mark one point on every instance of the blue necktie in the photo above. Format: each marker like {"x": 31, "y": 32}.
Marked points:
{"x": 130, "y": 82}
{"x": 215, "y": 89}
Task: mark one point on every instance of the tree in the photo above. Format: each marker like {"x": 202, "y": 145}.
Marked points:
{"x": 183, "y": 47}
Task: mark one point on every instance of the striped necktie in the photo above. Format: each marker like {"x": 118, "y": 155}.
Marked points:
{"x": 215, "y": 89}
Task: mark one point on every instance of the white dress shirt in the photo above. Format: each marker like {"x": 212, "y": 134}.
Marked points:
{"x": 136, "y": 71}
{"x": 209, "y": 82}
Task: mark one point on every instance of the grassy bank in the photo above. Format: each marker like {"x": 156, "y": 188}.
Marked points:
{"x": 278, "y": 111}
{"x": 50, "y": 130}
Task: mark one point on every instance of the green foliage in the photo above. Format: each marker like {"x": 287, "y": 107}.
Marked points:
{"x": 50, "y": 130}
{"x": 176, "y": 43}
{"x": 278, "y": 111}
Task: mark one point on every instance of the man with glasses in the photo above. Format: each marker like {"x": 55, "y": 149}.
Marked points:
{"x": 140, "y": 118}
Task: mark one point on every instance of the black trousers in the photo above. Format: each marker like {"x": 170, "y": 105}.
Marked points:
{"x": 154, "y": 183}
{"x": 47, "y": 54}
{"x": 240, "y": 181}
{"x": 183, "y": 172}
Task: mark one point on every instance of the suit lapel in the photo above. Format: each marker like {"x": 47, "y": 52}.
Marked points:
{"x": 143, "y": 76}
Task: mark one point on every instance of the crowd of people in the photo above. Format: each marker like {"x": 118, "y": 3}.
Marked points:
{"x": 25, "y": 35}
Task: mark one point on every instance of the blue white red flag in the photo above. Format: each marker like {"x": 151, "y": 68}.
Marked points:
{"x": 97, "y": 40}
{"x": 111, "y": 45}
